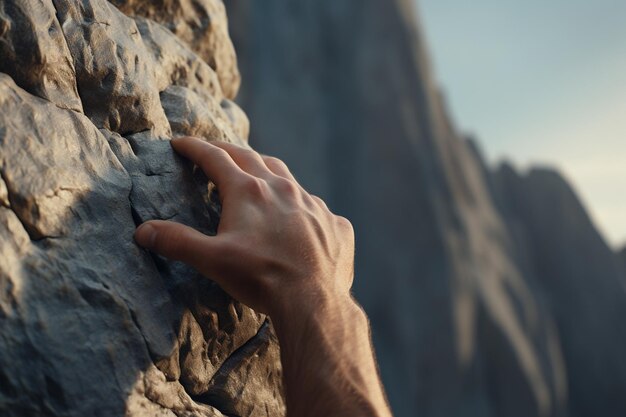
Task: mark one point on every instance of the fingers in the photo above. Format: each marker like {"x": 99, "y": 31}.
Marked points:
{"x": 278, "y": 167}
{"x": 247, "y": 159}
{"x": 178, "y": 242}
{"x": 215, "y": 162}
{"x": 228, "y": 165}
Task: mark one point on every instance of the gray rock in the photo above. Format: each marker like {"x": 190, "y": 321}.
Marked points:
{"x": 35, "y": 53}
{"x": 202, "y": 25}
{"x": 226, "y": 391}
{"x": 90, "y": 324}
{"x": 113, "y": 67}
{"x": 580, "y": 278}
{"x": 4, "y": 195}
{"x": 190, "y": 115}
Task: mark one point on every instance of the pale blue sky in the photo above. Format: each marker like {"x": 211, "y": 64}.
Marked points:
{"x": 541, "y": 81}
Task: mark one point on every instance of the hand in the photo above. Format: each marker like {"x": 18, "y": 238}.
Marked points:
{"x": 279, "y": 250}
{"x": 277, "y": 247}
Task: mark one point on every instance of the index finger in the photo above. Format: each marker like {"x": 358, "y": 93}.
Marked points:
{"x": 214, "y": 161}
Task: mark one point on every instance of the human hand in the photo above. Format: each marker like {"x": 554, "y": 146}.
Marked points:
{"x": 277, "y": 247}
{"x": 279, "y": 250}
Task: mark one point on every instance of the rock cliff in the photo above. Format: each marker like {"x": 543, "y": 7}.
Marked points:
{"x": 90, "y": 325}
{"x": 578, "y": 276}
{"x": 468, "y": 290}
{"x": 490, "y": 291}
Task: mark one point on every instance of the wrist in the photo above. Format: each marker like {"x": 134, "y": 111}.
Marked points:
{"x": 310, "y": 313}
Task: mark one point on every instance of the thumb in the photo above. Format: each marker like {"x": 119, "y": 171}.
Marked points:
{"x": 177, "y": 242}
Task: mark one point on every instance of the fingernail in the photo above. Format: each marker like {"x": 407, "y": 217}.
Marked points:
{"x": 145, "y": 235}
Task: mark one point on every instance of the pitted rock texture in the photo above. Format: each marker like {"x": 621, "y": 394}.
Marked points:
{"x": 35, "y": 52}
{"x": 90, "y": 324}
{"x": 202, "y": 25}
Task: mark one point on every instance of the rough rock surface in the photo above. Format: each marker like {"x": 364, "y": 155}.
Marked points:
{"x": 343, "y": 91}
{"x": 202, "y": 25}
{"x": 90, "y": 324}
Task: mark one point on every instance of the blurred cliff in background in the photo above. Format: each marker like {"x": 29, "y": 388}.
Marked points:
{"x": 490, "y": 291}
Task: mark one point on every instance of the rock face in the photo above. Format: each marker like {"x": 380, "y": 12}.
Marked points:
{"x": 580, "y": 279}
{"x": 89, "y": 323}
{"x": 480, "y": 306}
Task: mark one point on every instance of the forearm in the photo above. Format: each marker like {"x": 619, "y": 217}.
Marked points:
{"x": 328, "y": 361}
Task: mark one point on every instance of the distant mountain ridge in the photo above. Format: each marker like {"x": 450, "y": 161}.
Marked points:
{"x": 490, "y": 293}
{"x": 579, "y": 277}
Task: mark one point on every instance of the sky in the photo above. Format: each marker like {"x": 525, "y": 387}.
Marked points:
{"x": 541, "y": 83}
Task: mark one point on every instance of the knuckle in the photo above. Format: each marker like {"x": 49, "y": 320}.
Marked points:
{"x": 271, "y": 159}
{"x": 251, "y": 153}
{"x": 244, "y": 153}
{"x": 319, "y": 201}
{"x": 275, "y": 162}
{"x": 218, "y": 152}
{"x": 277, "y": 166}
{"x": 254, "y": 187}
{"x": 344, "y": 224}
{"x": 250, "y": 156}
{"x": 286, "y": 187}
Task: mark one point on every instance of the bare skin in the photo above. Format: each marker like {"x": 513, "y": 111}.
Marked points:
{"x": 281, "y": 251}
